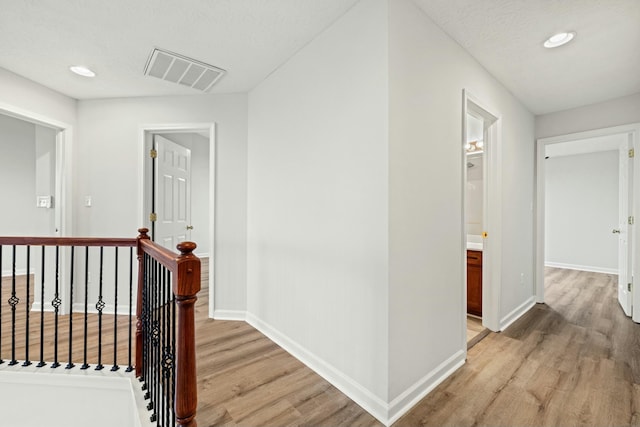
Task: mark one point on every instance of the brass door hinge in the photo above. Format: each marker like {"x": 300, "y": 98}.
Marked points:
{"x": 632, "y": 153}
{"x": 153, "y": 217}
{"x": 629, "y": 287}
{"x": 632, "y": 220}
{"x": 153, "y": 154}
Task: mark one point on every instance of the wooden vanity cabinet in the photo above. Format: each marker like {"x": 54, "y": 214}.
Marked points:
{"x": 474, "y": 282}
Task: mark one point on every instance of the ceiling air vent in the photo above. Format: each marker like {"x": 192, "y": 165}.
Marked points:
{"x": 179, "y": 69}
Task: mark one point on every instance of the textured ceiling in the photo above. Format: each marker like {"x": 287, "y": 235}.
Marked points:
{"x": 505, "y": 36}
{"x": 40, "y": 39}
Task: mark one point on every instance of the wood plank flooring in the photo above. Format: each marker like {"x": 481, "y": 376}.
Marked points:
{"x": 572, "y": 361}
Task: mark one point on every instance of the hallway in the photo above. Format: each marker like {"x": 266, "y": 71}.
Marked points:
{"x": 572, "y": 361}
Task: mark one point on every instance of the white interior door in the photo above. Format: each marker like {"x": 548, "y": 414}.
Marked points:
{"x": 173, "y": 192}
{"x": 624, "y": 264}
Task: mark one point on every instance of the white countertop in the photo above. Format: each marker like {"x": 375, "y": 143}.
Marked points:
{"x": 474, "y": 246}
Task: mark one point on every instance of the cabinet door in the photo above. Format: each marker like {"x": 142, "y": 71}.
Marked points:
{"x": 474, "y": 283}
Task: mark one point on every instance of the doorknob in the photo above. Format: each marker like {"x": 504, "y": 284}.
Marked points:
{"x": 616, "y": 231}
{"x": 189, "y": 227}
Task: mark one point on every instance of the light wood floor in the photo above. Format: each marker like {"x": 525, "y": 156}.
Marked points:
{"x": 572, "y": 361}
{"x": 475, "y": 331}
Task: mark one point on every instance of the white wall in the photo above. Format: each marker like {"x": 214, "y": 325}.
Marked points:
{"x": 317, "y": 223}
{"x": 199, "y": 146}
{"x": 16, "y": 91}
{"x": 619, "y": 111}
{"x": 108, "y": 168}
{"x": 428, "y": 72}
{"x": 581, "y": 207}
{"x": 17, "y": 177}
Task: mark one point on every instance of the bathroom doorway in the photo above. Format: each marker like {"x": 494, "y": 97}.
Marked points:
{"x": 481, "y": 219}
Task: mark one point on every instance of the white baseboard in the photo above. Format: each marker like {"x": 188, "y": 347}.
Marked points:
{"x": 589, "y": 268}
{"x": 123, "y": 310}
{"x": 515, "y": 314}
{"x": 78, "y": 307}
{"x": 230, "y": 315}
{"x": 377, "y": 407}
{"x": 410, "y": 397}
{"x": 363, "y": 397}
{"x": 19, "y": 272}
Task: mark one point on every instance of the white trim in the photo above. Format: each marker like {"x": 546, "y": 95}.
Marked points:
{"x": 239, "y": 315}
{"x": 410, "y": 397}
{"x": 19, "y": 272}
{"x": 359, "y": 394}
{"x": 582, "y": 267}
{"x": 634, "y": 130}
{"x": 209, "y": 127}
{"x": 492, "y": 211}
{"x": 518, "y": 312}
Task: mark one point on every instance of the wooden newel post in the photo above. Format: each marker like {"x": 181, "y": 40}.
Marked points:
{"x": 185, "y": 288}
{"x": 142, "y": 236}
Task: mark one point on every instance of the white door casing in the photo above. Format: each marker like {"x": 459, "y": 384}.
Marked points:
{"x": 173, "y": 192}
{"x": 629, "y": 234}
{"x": 624, "y": 273}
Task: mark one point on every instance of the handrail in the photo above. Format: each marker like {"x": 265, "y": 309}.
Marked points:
{"x": 186, "y": 270}
{"x": 67, "y": 241}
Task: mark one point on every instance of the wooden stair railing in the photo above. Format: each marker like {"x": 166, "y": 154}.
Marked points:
{"x": 185, "y": 270}
{"x": 185, "y": 284}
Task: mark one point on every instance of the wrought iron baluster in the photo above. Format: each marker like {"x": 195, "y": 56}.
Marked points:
{"x": 100, "y": 306}
{"x": 115, "y": 366}
{"x": 129, "y": 366}
{"x": 70, "y": 363}
{"x": 56, "y": 305}
{"x": 42, "y": 274}
{"x": 173, "y": 347}
{"x": 13, "y": 301}
{"x": 85, "y": 365}
{"x": 28, "y": 309}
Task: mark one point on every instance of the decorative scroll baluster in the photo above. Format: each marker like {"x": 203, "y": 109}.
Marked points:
{"x": 115, "y": 366}
{"x": 130, "y": 366}
{"x": 70, "y": 363}
{"x": 100, "y": 306}
{"x": 13, "y": 301}
{"x": 56, "y": 305}
{"x": 42, "y": 265}
{"x": 28, "y": 309}
{"x": 85, "y": 365}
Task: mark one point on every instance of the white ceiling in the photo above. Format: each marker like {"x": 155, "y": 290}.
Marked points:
{"x": 40, "y": 39}
{"x": 506, "y": 36}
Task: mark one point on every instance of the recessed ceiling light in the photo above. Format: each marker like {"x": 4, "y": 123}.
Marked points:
{"x": 82, "y": 71}
{"x": 559, "y": 39}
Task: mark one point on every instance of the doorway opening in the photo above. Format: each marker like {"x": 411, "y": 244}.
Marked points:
{"x": 178, "y": 190}
{"x": 481, "y": 218}
{"x": 592, "y": 172}
{"x": 44, "y": 192}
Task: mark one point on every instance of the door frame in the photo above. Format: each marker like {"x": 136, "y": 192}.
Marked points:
{"x": 145, "y": 183}
{"x": 63, "y": 207}
{"x": 631, "y": 129}
{"x": 492, "y": 210}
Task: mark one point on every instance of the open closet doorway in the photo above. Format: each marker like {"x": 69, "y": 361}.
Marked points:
{"x": 481, "y": 218}
{"x": 178, "y": 171}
